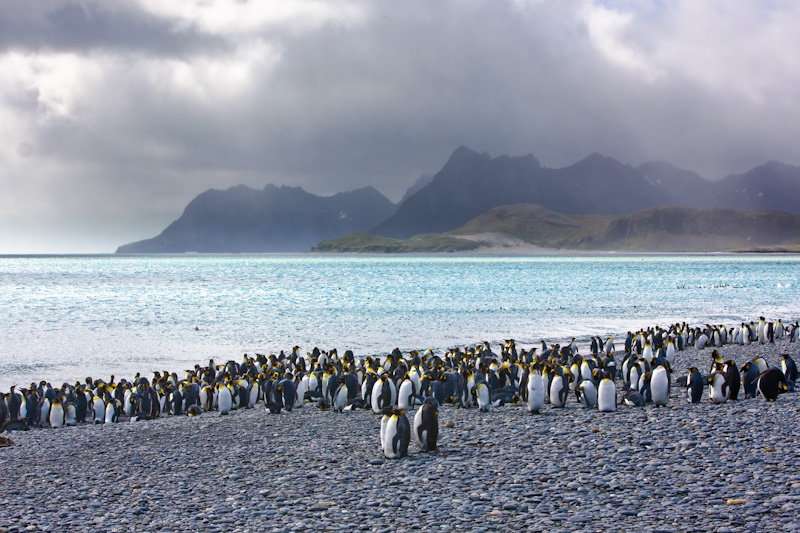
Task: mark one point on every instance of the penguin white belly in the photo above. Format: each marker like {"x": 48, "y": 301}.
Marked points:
{"x": 23, "y": 407}
{"x": 588, "y": 393}
{"x": 414, "y": 377}
{"x": 99, "y": 408}
{"x": 388, "y": 438}
{"x": 384, "y": 422}
{"x": 313, "y": 382}
{"x": 375, "y": 397}
{"x": 607, "y": 396}
{"x": 701, "y": 342}
{"x": 56, "y": 416}
{"x": 405, "y": 397}
{"x": 252, "y": 398}
{"x": 586, "y": 371}
{"x": 555, "y": 392}
{"x": 535, "y": 393}
{"x": 340, "y": 401}
{"x": 671, "y": 353}
{"x": 225, "y": 401}
{"x": 110, "y": 413}
{"x": 640, "y": 383}
{"x": 484, "y": 397}
{"x": 420, "y": 436}
{"x": 364, "y": 390}
{"x": 71, "y": 415}
{"x": 715, "y": 389}
{"x": 573, "y": 385}
{"x": 659, "y": 386}
{"x": 633, "y": 379}
{"x": 647, "y": 354}
{"x": 470, "y": 386}
{"x": 44, "y": 412}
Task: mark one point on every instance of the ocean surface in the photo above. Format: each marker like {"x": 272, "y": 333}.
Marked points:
{"x": 65, "y": 318}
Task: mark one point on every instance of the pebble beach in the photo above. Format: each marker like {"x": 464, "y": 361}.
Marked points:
{"x": 683, "y": 467}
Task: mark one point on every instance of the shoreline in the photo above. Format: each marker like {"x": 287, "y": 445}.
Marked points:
{"x": 494, "y": 244}
{"x": 707, "y": 466}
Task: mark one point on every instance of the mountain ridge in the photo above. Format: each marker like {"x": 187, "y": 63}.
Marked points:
{"x": 241, "y": 219}
{"x": 289, "y": 219}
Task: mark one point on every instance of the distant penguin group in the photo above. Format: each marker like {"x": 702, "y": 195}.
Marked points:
{"x": 396, "y": 384}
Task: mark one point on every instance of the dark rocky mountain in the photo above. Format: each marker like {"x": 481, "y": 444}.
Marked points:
{"x": 470, "y": 184}
{"x": 421, "y": 182}
{"x": 774, "y": 186}
{"x": 286, "y": 219}
{"x": 275, "y": 219}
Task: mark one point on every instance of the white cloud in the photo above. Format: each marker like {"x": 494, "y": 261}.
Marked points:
{"x": 212, "y": 79}
{"x": 235, "y": 18}
{"x": 608, "y": 30}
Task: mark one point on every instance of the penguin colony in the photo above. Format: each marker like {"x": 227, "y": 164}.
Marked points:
{"x": 638, "y": 374}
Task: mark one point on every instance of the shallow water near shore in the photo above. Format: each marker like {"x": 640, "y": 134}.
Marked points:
{"x": 69, "y": 317}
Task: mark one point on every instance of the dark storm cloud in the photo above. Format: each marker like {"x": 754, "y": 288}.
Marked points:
{"x": 88, "y": 27}
{"x": 116, "y": 115}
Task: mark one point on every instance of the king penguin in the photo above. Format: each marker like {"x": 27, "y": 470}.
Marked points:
{"x": 112, "y": 412}
{"x": 70, "y": 414}
{"x": 44, "y": 412}
{"x": 482, "y": 396}
{"x": 633, "y": 399}
{"x": 381, "y": 394}
{"x": 535, "y": 391}
{"x": 56, "y": 414}
{"x": 405, "y": 396}
{"x": 224, "y": 400}
{"x": 718, "y": 389}
{"x": 659, "y": 386}
{"x": 559, "y": 388}
{"x": 426, "y": 425}
{"x": 789, "y": 367}
{"x": 607, "y": 395}
{"x": 750, "y": 379}
{"x": 771, "y": 383}
{"x": 587, "y": 393}
{"x": 396, "y": 435}
{"x": 734, "y": 379}
{"x": 98, "y": 410}
{"x": 340, "y": 397}
{"x": 695, "y": 385}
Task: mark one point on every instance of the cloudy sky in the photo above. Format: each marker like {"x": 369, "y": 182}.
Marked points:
{"x": 114, "y": 115}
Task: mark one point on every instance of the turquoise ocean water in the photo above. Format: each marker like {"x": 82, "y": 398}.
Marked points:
{"x": 68, "y": 317}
